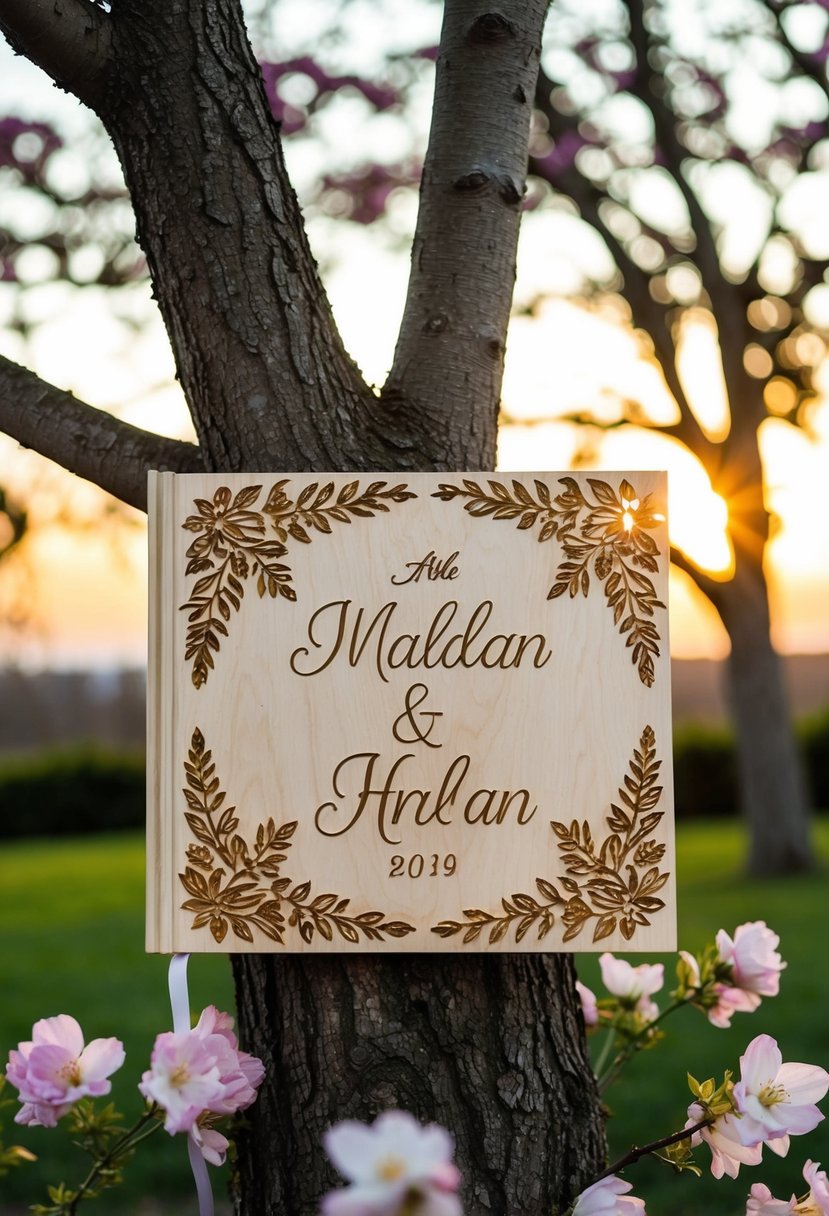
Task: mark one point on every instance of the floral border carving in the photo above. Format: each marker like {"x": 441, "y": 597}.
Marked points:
{"x": 612, "y": 882}
{"x": 232, "y": 546}
{"x": 608, "y": 536}
{"x": 238, "y": 884}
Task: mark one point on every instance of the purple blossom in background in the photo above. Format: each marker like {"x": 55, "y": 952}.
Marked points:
{"x": 380, "y": 96}
{"x": 11, "y": 129}
{"x": 561, "y": 156}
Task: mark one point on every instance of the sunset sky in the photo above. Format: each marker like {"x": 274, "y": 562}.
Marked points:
{"x": 86, "y": 587}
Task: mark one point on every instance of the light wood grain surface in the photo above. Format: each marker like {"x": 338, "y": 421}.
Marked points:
{"x": 390, "y": 761}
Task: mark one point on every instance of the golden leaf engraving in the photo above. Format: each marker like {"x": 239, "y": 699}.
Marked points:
{"x": 232, "y": 546}
{"x": 612, "y": 882}
{"x": 237, "y": 884}
{"x": 606, "y": 537}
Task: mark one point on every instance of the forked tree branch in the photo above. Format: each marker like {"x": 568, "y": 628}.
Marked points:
{"x": 647, "y": 314}
{"x": 449, "y": 359}
{"x": 70, "y": 39}
{"x": 87, "y": 441}
{"x": 649, "y": 89}
{"x": 726, "y": 298}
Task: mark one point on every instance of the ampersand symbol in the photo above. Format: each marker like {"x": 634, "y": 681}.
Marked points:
{"x": 409, "y": 719}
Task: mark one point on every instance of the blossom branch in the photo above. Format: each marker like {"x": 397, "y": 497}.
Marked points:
{"x": 116, "y": 1154}
{"x": 636, "y": 1153}
{"x": 605, "y": 1080}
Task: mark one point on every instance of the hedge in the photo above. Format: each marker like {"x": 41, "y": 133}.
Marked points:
{"x": 88, "y": 789}
{"x": 68, "y": 791}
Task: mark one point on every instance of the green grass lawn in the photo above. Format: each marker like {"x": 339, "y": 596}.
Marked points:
{"x": 71, "y": 941}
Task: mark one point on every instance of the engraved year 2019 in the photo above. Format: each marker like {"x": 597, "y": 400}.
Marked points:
{"x": 418, "y": 866}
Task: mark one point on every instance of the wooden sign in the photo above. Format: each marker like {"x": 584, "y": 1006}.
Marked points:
{"x": 427, "y": 712}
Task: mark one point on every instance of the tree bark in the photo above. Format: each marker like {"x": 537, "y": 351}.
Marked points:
{"x": 87, "y": 441}
{"x": 491, "y": 1046}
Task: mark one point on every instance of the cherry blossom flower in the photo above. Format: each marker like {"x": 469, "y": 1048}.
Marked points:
{"x": 198, "y": 1072}
{"x": 183, "y": 1078}
{"x": 240, "y": 1074}
{"x": 761, "y": 1202}
{"x": 393, "y": 1166}
{"x": 718, "y": 1001}
{"x": 588, "y": 1004}
{"x": 776, "y": 1100}
{"x": 728, "y": 1152}
{"x": 753, "y": 957}
{"x": 212, "y": 1144}
{"x": 608, "y": 1197}
{"x": 54, "y": 1069}
{"x": 818, "y": 1189}
{"x": 633, "y": 985}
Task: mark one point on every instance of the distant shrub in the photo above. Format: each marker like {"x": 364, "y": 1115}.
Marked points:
{"x": 705, "y": 772}
{"x": 705, "y": 767}
{"x": 69, "y": 791}
{"x": 814, "y": 736}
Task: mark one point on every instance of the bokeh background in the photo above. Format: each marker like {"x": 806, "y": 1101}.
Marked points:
{"x": 671, "y": 311}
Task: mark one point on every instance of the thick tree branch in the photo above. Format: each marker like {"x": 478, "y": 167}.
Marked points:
{"x": 87, "y": 441}
{"x": 710, "y": 587}
{"x": 256, "y": 347}
{"x": 70, "y": 39}
{"x": 449, "y": 359}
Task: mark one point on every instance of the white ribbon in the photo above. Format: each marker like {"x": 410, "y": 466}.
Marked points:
{"x": 180, "y": 1004}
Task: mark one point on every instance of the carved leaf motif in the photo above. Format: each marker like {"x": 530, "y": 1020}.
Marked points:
{"x": 231, "y": 547}
{"x": 600, "y": 883}
{"x": 610, "y": 531}
{"x": 247, "y": 892}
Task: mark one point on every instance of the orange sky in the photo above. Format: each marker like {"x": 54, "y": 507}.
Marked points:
{"x": 88, "y": 594}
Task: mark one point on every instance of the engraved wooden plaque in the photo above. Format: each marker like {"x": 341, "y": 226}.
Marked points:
{"x": 427, "y": 712}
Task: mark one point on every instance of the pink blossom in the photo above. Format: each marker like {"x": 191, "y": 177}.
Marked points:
{"x": 728, "y": 1002}
{"x": 389, "y": 1164}
{"x": 608, "y": 1197}
{"x": 54, "y": 1069}
{"x": 183, "y": 1078}
{"x": 240, "y": 1074}
{"x": 753, "y": 957}
{"x": 633, "y": 985}
{"x": 728, "y": 1152}
{"x": 202, "y": 1071}
{"x": 761, "y": 1202}
{"x": 718, "y": 1001}
{"x": 212, "y": 1144}
{"x": 776, "y": 1100}
{"x": 818, "y": 1188}
{"x": 588, "y": 1004}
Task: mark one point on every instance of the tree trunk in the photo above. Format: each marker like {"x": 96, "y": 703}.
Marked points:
{"x": 492, "y": 1046}
{"x": 772, "y": 788}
